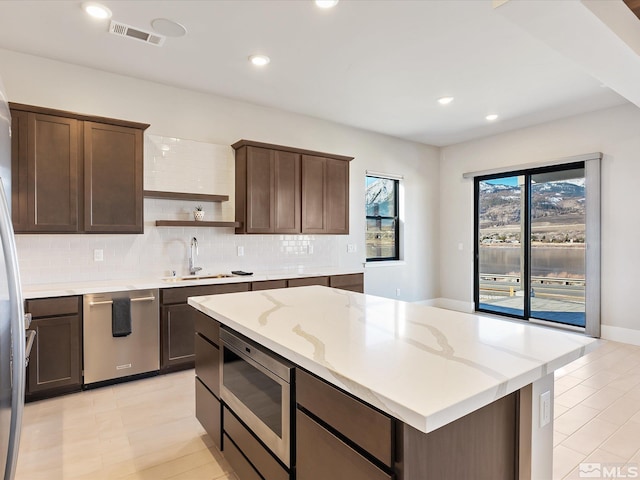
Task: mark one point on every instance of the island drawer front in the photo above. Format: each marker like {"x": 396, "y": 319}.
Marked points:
{"x": 53, "y": 307}
{"x": 180, "y": 294}
{"x": 208, "y": 328}
{"x": 321, "y": 455}
{"x": 268, "y": 285}
{"x": 258, "y": 455}
{"x": 366, "y": 427}
{"x": 304, "y": 282}
{"x": 242, "y": 468}
{"x": 353, "y": 282}
{"x": 209, "y": 413}
{"x": 208, "y": 364}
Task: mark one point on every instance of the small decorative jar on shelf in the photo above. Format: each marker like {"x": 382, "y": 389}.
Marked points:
{"x": 198, "y": 213}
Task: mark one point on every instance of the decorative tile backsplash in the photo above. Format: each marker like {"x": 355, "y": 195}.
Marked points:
{"x": 184, "y": 167}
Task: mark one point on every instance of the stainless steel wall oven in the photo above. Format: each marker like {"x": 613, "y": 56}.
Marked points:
{"x": 256, "y": 385}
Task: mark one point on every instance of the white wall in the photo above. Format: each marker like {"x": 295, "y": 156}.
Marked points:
{"x": 616, "y": 133}
{"x": 208, "y": 118}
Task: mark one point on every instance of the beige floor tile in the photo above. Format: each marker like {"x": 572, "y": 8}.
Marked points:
{"x": 624, "y": 442}
{"x": 601, "y": 379}
{"x": 589, "y": 437}
{"x": 559, "y": 410}
{"x": 603, "y": 398}
{"x": 575, "y": 395}
{"x": 564, "y": 461}
{"x": 597, "y": 459}
{"x": 558, "y": 437}
{"x": 621, "y": 410}
{"x": 565, "y": 383}
{"x": 569, "y": 422}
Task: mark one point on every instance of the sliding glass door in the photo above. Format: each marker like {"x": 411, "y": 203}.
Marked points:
{"x": 530, "y": 237}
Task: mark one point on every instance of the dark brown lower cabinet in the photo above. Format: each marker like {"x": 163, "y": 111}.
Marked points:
{"x": 322, "y": 455}
{"x": 241, "y": 466}
{"x": 178, "y": 320}
{"x": 307, "y": 281}
{"x": 209, "y": 412}
{"x": 177, "y": 329}
{"x": 257, "y": 455}
{"x": 55, "y": 363}
{"x": 353, "y": 282}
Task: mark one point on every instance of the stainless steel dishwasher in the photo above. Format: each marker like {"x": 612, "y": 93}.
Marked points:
{"x": 107, "y": 357}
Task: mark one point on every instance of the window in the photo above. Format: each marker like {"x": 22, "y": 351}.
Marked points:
{"x": 383, "y": 229}
{"x": 531, "y": 231}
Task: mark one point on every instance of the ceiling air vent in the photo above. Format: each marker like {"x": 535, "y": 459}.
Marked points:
{"x": 124, "y": 30}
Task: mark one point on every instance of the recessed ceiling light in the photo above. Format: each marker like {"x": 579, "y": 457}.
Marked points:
{"x": 491, "y": 117}
{"x": 445, "y": 100}
{"x": 168, "y": 28}
{"x": 259, "y": 60}
{"x": 96, "y": 10}
{"x": 326, "y": 3}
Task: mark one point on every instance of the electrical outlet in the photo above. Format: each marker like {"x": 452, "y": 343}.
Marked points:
{"x": 310, "y": 249}
{"x": 545, "y": 408}
{"x": 98, "y": 255}
{"x": 460, "y": 246}
{"x": 397, "y": 292}
{"x": 241, "y": 251}
{"x": 351, "y": 248}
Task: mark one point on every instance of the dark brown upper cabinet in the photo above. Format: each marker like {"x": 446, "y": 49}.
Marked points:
{"x": 289, "y": 190}
{"x": 325, "y": 195}
{"x": 112, "y": 178}
{"x": 45, "y": 169}
{"x": 74, "y": 173}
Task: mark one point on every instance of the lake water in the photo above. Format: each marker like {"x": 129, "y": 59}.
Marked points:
{"x": 545, "y": 260}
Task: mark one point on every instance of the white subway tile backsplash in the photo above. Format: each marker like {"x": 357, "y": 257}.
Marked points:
{"x": 69, "y": 258}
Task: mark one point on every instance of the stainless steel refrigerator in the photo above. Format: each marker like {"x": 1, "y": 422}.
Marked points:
{"x": 12, "y": 321}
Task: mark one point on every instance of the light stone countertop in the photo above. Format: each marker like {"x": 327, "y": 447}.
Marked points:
{"x": 422, "y": 365}
{"x": 105, "y": 286}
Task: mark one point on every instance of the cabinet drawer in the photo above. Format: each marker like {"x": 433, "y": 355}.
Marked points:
{"x": 180, "y": 294}
{"x": 209, "y": 413}
{"x": 51, "y": 307}
{"x": 303, "y": 282}
{"x": 268, "y": 285}
{"x": 208, "y": 364}
{"x": 207, "y": 327}
{"x": 240, "y": 465}
{"x": 321, "y": 455}
{"x": 252, "y": 449}
{"x": 353, "y": 282}
{"x": 366, "y": 427}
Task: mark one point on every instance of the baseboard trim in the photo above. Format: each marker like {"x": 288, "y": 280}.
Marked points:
{"x": 620, "y": 334}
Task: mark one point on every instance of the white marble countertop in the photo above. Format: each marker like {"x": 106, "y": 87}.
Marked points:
{"x": 105, "y": 286}
{"x": 422, "y": 365}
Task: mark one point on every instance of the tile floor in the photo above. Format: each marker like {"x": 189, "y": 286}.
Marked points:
{"x": 597, "y": 414}
{"x": 144, "y": 429}
{"x": 147, "y": 429}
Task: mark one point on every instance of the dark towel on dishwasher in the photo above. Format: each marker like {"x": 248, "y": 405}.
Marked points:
{"x": 121, "y": 317}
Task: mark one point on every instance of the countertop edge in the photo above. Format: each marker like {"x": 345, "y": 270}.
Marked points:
{"x": 30, "y": 292}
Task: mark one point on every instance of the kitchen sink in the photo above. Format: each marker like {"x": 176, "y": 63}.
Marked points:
{"x": 198, "y": 277}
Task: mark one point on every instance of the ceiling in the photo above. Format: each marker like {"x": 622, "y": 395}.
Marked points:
{"x": 377, "y": 65}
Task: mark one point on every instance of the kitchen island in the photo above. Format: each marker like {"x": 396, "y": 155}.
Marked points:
{"x": 469, "y": 396}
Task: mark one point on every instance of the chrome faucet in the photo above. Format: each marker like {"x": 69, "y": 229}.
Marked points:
{"x": 192, "y": 268}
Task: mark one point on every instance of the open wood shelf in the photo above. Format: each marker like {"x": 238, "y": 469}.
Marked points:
{"x": 193, "y": 223}
{"x": 186, "y": 196}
